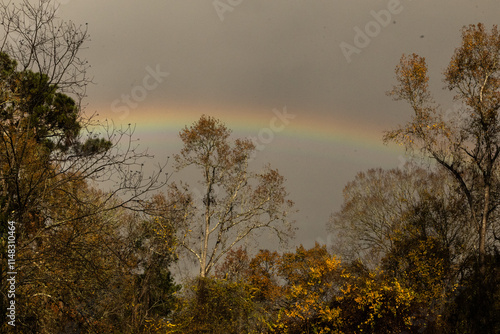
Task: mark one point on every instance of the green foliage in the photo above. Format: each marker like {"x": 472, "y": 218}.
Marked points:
{"x": 95, "y": 146}
{"x": 32, "y": 105}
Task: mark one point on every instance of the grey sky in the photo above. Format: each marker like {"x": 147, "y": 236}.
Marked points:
{"x": 270, "y": 54}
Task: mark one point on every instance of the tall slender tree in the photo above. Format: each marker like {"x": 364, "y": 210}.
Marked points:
{"x": 234, "y": 203}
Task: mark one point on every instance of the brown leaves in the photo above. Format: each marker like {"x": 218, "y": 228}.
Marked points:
{"x": 412, "y": 78}
{"x": 205, "y": 143}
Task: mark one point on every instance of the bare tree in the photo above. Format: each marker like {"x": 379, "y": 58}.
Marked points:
{"x": 380, "y": 204}
{"x": 39, "y": 41}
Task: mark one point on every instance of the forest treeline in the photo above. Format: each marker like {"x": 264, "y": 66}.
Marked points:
{"x": 88, "y": 237}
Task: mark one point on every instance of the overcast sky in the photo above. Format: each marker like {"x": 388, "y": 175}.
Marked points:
{"x": 325, "y": 65}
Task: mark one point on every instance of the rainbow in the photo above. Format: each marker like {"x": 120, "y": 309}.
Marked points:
{"x": 159, "y": 127}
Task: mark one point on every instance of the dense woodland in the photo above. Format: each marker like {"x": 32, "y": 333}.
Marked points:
{"x": 416, "y": 248}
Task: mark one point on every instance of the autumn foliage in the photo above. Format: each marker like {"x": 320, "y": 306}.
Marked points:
{"x": 416, "y": 248}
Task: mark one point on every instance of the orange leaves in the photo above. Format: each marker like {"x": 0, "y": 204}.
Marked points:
{"x": 264, "y": 273}
{"x": 413, "y": 69}
{"x": 477, "y": 57}
{"x": 306, "y": 291}
{"x": 313, "y": 267}
{"x": 474, "y": 70}
{"x": 235, "y": 267}
{"x": 411, "y": 74}
{"x": 207, "y": 145}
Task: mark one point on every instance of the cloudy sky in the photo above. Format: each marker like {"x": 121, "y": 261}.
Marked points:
{"x": 307, "y": 79}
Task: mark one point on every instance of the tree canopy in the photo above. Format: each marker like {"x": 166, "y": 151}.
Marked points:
{"x": 416, "y": 247}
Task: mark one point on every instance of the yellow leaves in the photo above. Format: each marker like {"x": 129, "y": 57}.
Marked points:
{"x": 158, "y": 326}
{"x": 370, "y": 300}
{"x": 411, "y": 74}
{"x": 331, "y": 316}
{"x": 346, "y": 289}
{"x": 475, "y": 59}
{"x": 311, "y": 275}
{"x": 430, "y": 127}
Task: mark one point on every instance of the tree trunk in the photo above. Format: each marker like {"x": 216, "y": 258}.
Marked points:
{"x": 203, "y": 266}
{"x": 204, "y": 251}
{"x": 482, "y": 229}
